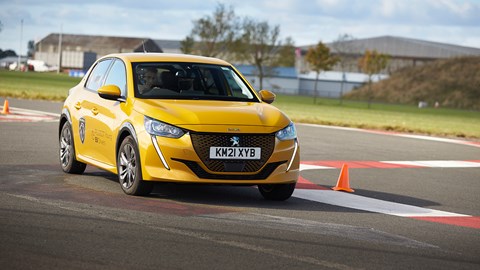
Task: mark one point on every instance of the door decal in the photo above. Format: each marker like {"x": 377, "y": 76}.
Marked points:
{"x": 81, "y": 129}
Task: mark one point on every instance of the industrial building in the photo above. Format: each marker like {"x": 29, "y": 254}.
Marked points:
{"x": 80, "y": 51}
{"x": 402, "y": 52}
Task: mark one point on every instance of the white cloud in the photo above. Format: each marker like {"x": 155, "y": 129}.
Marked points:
{"x": 307, "y": 22}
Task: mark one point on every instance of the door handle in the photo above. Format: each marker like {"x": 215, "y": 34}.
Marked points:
{"x": 78, "y": 105}
{"x": 95, "y": 111}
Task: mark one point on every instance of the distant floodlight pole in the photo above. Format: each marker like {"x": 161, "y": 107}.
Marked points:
{"x": 20, "y": 45}
{"x": 59, "y": 64}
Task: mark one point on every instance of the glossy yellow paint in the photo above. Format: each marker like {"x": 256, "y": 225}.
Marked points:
{"x": 183, "y": 149}
{"x": 104, "y": 120}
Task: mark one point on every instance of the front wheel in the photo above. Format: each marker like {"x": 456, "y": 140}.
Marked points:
{"x": 67, "y": 152}
{"x": 277, "y": 192}
{"x": 129, "y": 169}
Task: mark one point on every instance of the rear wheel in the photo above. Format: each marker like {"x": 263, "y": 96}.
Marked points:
{"x": 67, "y": 152}
{"x": 129, "y": 169}
{"x": 277, "y": 192}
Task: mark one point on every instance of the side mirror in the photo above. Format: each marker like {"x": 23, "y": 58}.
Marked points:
{"x": 111, "y": 92}
{"x": 267, "y": 96}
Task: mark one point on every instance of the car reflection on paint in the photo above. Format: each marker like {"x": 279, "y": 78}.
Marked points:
{"x": 177, "y": 118}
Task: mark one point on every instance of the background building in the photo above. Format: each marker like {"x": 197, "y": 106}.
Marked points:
{"x": 79, "y": 52}
{"x": 403, "y": 52}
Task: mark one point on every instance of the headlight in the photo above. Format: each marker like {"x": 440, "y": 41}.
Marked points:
{"x": 288, "y": 133}
{"x": 155, "y": 127}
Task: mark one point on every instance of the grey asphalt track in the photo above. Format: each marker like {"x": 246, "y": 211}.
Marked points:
{"x": 51, "y": 220}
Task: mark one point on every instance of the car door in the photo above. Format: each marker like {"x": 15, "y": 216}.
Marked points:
{"x": 85, "y": 110}
{"x": 108, "y": 116}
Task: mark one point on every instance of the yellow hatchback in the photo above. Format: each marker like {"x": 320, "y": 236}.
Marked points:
{"x": 177, "y": 118}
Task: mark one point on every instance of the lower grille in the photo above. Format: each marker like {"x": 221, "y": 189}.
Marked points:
{"x": 203, "y": 141}
{"x": 201, "y": 173}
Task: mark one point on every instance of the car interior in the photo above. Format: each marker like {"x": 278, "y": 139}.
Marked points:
{"x": 193, "y": 81}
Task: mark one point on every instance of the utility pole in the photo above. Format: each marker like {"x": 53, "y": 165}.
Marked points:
{"x": 60, "y": 49}
{"x": 20, "y": 46}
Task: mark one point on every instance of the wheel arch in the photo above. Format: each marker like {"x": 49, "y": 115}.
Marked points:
{"x": 64, "y": 117}
{"x": 125, "y": 130}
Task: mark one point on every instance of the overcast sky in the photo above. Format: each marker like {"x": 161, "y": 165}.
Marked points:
{"x": 306, "y": 21}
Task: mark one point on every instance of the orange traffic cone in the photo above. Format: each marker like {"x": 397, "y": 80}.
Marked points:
{"x": 6, "y": 109}
{"x": 343, "y": 184}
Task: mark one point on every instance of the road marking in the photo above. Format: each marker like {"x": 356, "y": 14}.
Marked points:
{"x": 337, "y": 164}
{"x": 310, "y": 191}
{"x": 357, "y": 202}
{"x": 25, "y": 115}
{"x": 411, "y": 136}
{"x": 438, "y": 163}
{"x": 468, "y": 221}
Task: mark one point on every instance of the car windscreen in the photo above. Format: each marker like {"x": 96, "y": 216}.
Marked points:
{"x": 189, "y": 81}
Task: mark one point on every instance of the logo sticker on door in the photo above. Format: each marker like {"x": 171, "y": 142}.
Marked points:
{"x": 81, "y": 129}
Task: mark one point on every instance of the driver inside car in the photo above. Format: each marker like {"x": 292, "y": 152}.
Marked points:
{"x": 148, "y": 81}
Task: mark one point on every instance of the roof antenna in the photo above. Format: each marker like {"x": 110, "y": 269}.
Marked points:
{"x": 143, "y": 43}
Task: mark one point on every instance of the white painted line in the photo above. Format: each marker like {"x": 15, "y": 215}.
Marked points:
{"x": 27, "y": 116}
{"x": 438, "y": 163}
{"x": 304, "y": 167}
{"x": 357, "y": 164}
{"x": 429, "y": 138}
{"x": 35, "y": 112}
{"x": 411, "y": 136}
{"x": 352, "y": 201}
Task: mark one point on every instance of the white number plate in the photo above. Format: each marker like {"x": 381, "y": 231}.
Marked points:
{"x": 235, "y": 152}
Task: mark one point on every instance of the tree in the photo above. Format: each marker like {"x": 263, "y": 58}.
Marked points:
{"x": 186, "y": 45}
{"x": 345, "y": 49}
{"x": 7, "y": 53}
{"x": 31, "y": 48}
{"x": 224, "y": 35}
{"x": 320, "y": 59}
{"x": 372, "y": 63}
{"x": 212, "y": 35}
{"x": 261, "y": 46}
{"x": 286, "y": 54}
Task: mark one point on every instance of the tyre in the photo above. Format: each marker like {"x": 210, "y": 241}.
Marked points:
{"x": 67, "y": 152}
{"x": 277, "y": 192}
{"x": 129, "y": 169}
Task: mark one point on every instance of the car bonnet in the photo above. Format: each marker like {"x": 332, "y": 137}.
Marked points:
{"x": 198, "y": 114}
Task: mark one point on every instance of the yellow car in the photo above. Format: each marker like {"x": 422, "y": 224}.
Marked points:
{"x": 177, "y": 118}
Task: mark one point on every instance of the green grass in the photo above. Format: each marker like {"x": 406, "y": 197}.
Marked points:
{"x": 401, "y": 118}
{"x": 35, "y": 85}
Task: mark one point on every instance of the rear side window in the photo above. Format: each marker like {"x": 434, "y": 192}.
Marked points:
{"x": 117, "y": 76}
{"x": 96, "y": 78}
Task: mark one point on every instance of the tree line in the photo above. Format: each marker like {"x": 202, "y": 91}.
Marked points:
{"x": 243, "y": 39}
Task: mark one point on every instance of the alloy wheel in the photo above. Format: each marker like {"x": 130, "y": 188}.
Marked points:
{"x": 128, "y": 166}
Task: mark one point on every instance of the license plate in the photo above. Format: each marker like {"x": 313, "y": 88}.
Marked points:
{"x": 235, "y": 152}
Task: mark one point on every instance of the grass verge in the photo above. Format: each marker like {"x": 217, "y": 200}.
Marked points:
{"x": 400, "y": 118}
{"x": 35, "y": 85}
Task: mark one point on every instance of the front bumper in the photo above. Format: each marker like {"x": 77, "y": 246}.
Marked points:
{"x": 176, "y": 160}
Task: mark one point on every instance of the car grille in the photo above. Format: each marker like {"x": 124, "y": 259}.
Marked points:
{"x": 203, "y": 141}
{"x": 201, "y": 173}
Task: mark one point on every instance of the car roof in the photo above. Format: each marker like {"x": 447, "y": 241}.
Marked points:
{"x": 167, "y": 57}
